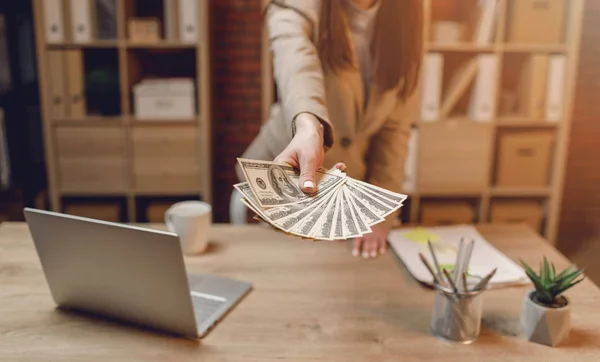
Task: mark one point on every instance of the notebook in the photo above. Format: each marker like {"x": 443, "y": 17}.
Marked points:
{"x": 407, "y": 243}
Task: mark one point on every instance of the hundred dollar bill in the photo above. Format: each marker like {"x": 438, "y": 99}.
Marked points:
{"x": 379, "y": 192}
{"x": 306, "y": 224}
{"x": 277, "y": 185}
{"x": 322, "y": 229}
{"x": 363, "y": 228}
{"x": 369, "y": 216}
{"x": 349, "y": 227}
{"x": 280, "y": 212}
{"x": 337, "y": 232}
{"x": 377, "y": 207}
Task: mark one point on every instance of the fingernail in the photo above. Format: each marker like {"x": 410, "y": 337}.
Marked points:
{"x": 355, "y": 252}
{"x": 373, "y": 253}
{"x": 309, "y": 184}
{"x": 365, "y": 255}
{"x": 382, "y": 251}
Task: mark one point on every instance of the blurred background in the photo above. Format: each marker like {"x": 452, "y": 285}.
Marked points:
{"x": 115, "y": 109}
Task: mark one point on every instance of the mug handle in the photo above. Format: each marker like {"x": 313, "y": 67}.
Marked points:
{"x": 169, "y": 220}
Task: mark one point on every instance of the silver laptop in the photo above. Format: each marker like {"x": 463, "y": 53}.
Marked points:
{"x": 128, "y": 273}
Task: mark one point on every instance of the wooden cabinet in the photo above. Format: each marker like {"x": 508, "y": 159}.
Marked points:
{"x": 164, "y": 159}
{"x": 91, "y": 159}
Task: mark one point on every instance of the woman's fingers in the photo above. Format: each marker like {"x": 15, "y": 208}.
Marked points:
{"x": 340, "y": 166}
{"x": 308, "y": 167}
{"x": 372, "y": 246}
{"x": 357, "y": 246}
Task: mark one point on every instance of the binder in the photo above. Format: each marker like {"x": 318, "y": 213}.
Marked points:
{"x": 170, "y": 9}
{"x": 533, "y": 86}
{"x": 81, "y": 21}
{"x": 483, "y": 97}
{"x": 459, "y": 83}
{"x": 188, "y": 21}
{"x": 53, "y": 21}
{"x": 433, "y": 66}
{"x": 557, "y": 69}
{"x": 57, "y": 84}
{"x": 484, "y": 31}
{"x": 76, "y": 101}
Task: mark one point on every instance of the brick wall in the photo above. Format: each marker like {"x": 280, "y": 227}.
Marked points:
{"x": 236, "y": 97}
{"x": 580, "y": 218}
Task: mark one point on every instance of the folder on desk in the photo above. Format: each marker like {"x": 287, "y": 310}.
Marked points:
{"x": 407, "y": 243}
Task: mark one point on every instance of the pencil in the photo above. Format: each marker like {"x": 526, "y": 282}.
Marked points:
{"x": 483, "y": 282}
{"x": 452, "y": 284}
{"x": 435, "y": 261}
{"x": 435, "y": 277}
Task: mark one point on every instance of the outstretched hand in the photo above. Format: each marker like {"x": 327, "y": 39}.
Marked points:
{"x": 305, "y": 151}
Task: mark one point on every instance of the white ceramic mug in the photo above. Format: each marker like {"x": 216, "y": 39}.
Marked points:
{"x": 191, "y": 221}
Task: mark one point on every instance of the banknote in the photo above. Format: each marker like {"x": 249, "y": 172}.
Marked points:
{"x": 341, "y": 208}
{"x": 277, "y": 184}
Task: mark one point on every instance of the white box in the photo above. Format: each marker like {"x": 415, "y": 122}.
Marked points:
{"x": 169, "y": 99}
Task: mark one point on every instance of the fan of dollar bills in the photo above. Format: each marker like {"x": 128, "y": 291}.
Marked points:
{"x": 342, "y": 207}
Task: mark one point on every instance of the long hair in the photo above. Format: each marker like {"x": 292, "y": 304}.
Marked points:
{"x": 396, "y": 47}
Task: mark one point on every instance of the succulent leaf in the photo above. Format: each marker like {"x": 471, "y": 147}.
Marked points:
{"x": 548, "y": 285}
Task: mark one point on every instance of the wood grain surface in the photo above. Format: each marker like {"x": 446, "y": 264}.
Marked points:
{"x": 310, "y": 302}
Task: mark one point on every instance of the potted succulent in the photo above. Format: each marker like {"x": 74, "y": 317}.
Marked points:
{"x": 546, "y": 313}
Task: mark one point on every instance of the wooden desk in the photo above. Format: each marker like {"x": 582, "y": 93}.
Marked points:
{"x": 311, "y": 302}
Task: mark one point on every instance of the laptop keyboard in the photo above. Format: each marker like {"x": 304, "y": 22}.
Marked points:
{"x": 205, "y": 305}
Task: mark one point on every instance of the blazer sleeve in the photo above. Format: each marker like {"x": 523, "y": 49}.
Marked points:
{"x": 296, "y": 64}
{"x": 388, "y": 151}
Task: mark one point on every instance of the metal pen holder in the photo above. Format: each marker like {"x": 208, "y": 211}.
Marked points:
{"x": 456, "y": 316}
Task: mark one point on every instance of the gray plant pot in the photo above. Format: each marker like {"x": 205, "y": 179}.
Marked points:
{"x": 540, "y": 324}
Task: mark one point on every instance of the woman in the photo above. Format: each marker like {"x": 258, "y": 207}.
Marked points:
{"x": 347, "y": 74}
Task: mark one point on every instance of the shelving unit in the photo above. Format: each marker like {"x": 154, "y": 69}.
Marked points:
{"x": 457, "y": 157}
{"x": 95, "y": 145}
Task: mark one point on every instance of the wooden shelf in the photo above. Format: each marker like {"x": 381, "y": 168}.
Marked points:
{"x": 451, "y": 193}
{"x": 125, "y": 148}
{"x": 534, "y": 48}
{"x": 524, "y": 122}
{"x": 462, "y": 47}
{"x": 90, "y": 121}
{"x": 160, "y": 45}
{"x": 94, "y": 44}
{"x": 162, "y": 122}
{"x": 520, "y": 191}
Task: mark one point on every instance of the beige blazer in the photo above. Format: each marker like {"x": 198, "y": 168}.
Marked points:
{"x": 372, "y": 140}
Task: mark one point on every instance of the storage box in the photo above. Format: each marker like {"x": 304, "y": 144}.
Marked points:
{"x": 91, "y": 159}
{"x": 524, "y": 158}
{"x": 101, "y": 211}
{"x": 446, "y": 213}
{"x": 155, "y": 212}
{"x": 517, "y": 211}
{"x": 144, "y": 30}
{"x": 447, "y": 32}
{"x": 164, "y": 159}
{"x": 536, "y": 21}
{"x": 454, "y": 155}
{"x": 165, "y": 99}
